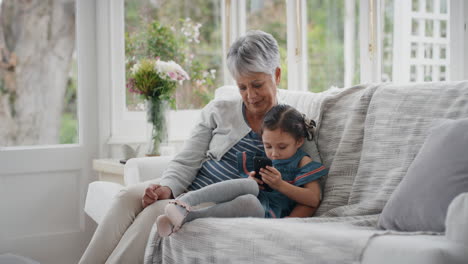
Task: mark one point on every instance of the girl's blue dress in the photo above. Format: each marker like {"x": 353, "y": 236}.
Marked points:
{"x": 276, "y": 204}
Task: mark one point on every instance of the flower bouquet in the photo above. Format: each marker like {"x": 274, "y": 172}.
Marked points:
{"x": 156, "y": 81}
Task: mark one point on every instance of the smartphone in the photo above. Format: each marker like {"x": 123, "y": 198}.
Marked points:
{"x": 262, "y": 162}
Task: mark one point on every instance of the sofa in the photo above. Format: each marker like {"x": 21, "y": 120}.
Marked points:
{"x": 371, "y": 137}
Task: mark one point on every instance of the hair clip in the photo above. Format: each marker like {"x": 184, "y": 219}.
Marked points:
{"x": 310, "y": 127}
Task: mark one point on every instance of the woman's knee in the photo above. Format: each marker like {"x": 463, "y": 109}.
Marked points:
{"x": 131, "y": 197}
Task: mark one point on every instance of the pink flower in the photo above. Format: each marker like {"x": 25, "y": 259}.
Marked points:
{"x": 173, "y": 75}
{"x": 183, "y": 75}
{"x": 130, "y": 84}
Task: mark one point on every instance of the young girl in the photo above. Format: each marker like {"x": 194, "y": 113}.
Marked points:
{"x": 292, "y": 178}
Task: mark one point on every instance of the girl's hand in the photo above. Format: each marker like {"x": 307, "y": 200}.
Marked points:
{"x": 259, "y": 182}
{"x": 272, "y": 177}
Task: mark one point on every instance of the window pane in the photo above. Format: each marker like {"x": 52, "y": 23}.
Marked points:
{"x": 327, "y": 62}
{"x": 443, "y": 29}
{"x": 187, "y": 32}
{"x": 415, "y": 5}
{"x": 429, "y": 27}
{"x": 388, "y": 23}
{"x": 420, "y": 50}
{"x": 429, "y": 6}
{"x": 443, "y": 6}
{"x": 270, "y": 16}
{"x": 38, "y": 97}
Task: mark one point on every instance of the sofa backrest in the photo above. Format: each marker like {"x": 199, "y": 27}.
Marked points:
{"x": 306, "y": 102}
{"x": 368, "y": 135}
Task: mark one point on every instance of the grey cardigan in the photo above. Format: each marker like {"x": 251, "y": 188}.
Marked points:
{"x": 220, "y": 127}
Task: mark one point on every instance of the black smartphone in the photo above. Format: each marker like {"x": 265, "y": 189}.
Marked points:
{"x": 262, "y": 162}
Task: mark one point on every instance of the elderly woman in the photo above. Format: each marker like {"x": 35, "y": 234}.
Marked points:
{"x": 209, "y": 156}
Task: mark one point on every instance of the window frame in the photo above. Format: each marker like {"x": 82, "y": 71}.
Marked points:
{"x": 123, "y": 126}
{"x": 458, "y": 40}
{"x": 296, "y": 23}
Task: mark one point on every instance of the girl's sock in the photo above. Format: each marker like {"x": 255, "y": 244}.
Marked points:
{"x": 164, "y": 225}
{"x": 177, "y": 212}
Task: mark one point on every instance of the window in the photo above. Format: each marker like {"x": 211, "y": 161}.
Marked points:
{"x": 270, "y": 16}
{"x": 38, "y": 73}
{"x": 423, "y": 48}
{"x": 188, "y": 32}
{"x": 322, "y": 44}
{"x": 332, "y": 44}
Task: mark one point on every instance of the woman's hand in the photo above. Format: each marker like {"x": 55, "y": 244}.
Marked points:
{"x": 155, "y": 192}
{"x": 259, "y": 182}
{"x": 272, "y": 177}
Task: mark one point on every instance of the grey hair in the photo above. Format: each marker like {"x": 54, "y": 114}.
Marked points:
{"x": 256, "y": 51}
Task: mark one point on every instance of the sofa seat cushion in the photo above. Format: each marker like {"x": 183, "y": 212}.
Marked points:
{"x": 257, "y": 240}
{"x": 289, "y": 240}
{"x": 409, "y": 249}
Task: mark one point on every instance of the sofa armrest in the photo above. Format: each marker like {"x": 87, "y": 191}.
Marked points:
{"x": 456, "y": 224}
{"x": 99, "y": 198}
{"x": 138, "y": 170}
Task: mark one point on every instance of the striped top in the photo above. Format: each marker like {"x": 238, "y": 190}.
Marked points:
{"x": 213, "y": 171}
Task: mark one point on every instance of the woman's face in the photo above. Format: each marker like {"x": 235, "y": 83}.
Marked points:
{"x": 258, "y": 91}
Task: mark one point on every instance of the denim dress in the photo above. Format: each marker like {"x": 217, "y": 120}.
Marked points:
{"x": 276, "y": 204}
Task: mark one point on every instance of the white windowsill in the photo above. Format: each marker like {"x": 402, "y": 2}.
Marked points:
{"x": 110, "y": 170}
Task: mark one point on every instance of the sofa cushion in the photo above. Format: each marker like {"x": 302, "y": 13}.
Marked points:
{"x": 408, "y": 248}
{"x": 456, "y": 228}
{"x": 437, "y": 175}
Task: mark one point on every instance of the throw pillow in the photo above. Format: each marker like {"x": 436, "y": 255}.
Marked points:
{"x": 437, "y": 175}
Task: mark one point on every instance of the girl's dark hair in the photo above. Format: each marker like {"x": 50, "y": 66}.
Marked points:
{"x": 289, "y": 120}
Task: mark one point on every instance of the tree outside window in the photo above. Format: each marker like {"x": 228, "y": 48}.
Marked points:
{"x": 38, "y": 90}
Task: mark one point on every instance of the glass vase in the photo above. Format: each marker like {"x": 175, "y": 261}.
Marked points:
{"x": 156, "y": 113}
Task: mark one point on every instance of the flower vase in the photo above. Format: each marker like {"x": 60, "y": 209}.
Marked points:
{"x": 156, "y": 114}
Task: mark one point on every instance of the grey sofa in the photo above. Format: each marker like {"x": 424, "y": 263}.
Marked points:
{"x": 367, "y": 136}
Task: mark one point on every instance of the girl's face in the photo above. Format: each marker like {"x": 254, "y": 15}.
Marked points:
{"x": 279, "y": 144}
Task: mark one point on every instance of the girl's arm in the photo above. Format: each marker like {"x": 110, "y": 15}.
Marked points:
{"x": 301, "y": 210}
{"x": 308, "y": 195}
